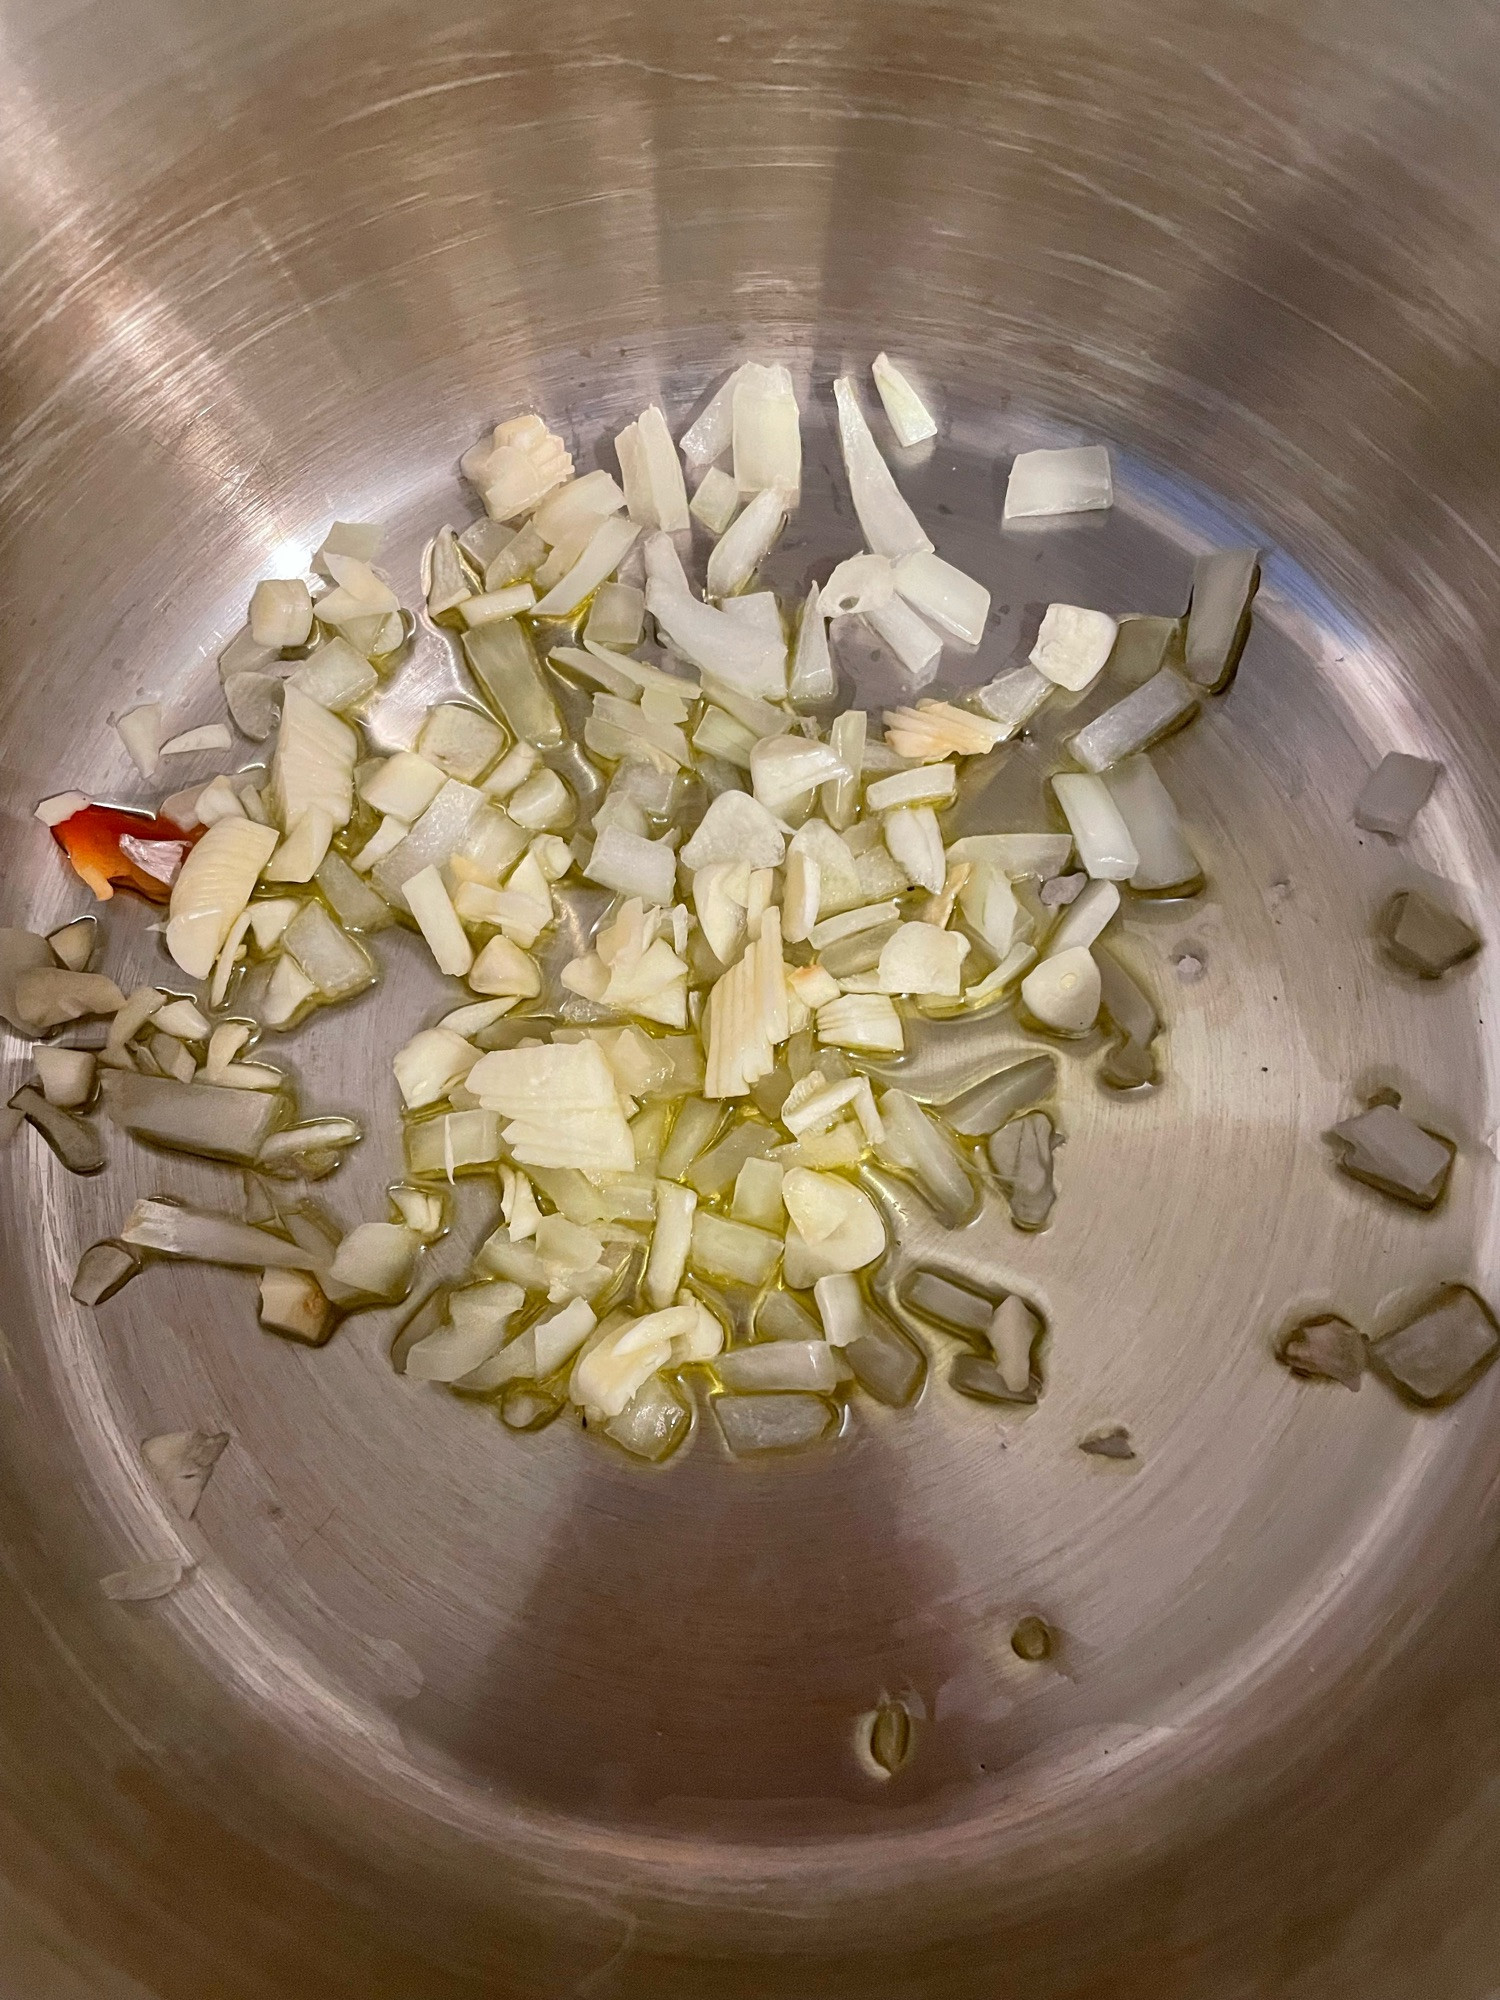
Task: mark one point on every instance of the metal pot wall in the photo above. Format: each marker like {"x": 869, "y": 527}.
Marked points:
{"x": 438, "y": 1716}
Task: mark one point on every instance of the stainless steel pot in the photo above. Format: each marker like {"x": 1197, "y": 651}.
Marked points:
{"x": 445, "y": 1713}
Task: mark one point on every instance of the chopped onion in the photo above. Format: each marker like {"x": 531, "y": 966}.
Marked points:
{"x": 1439, "y": 1353}
{"x": 916, "y": 646}
{"x": 102, "y": 1270}
{"x": 1394, "y": 793}
{"x": 446, "y": 583}
{"x": 141, "y": 1582}
{"x": 62, "y": 805}
{"x": 812, "y": 677}
{"x": 617, "y": 1361}
{"x": 866, "y": 1021}
{"x": 945, "y": 596}
{"x": 301, "y": 854}
{"x": 1016, "y": 855}
{"x": 254, "y": 703}
{"x": 1013, "y": 698}
{"x": 737, "y": 653}
{"x": 50, "y": 995}
{"x": 1218, "y": 622}
{"x": 1420, "y": 934}
{"x": 726, "y": 1249}
{"x": 314, "y": 762}
{"x": 736, "y": 827}
{"x": 920, "y": 958}
{"x": 1020, "y": 1152}
{"x": 458, "y": 1142}
{"x": 1013, "y": 1334}
{"x": 205, "y": 1118}
{"x": 1100, "y": 833}
{"x": 191, "y": 742}
{"x": 917, "y": 1145}
{"x": 288, "y": 992}
{"x": 928, "y": 785}
{"x": 1075, "y": 480}
{"x": 780, "y": 1364}
{"x": 775, "y": 1422}
{"x": 1390, "y": 1151}
{"x": 766, "y": 433}
{"x": 1062, "y": 993}
{"x": 859, "y": 583}
{"x": 75, "y": 1142}
{"x": 786, "y": 770}
{"x": 1164, "y": 861}
{"x": 377, "y": 1260}
{"x": 430, "y": 1064}
{"x": 915, "y": 843}
{"x": 635, "y": 867}
{"x": 169, "y": 1229}
{"x": 428, "y": 900}
{"x": 335, "y": 964}
{"x": 1073, "y": 645}
{"x": 670, "y": 1242}
{"x": 616, "y": 616}
{"x": 711, "y": 434}
{"x": 909, "y": 416}
{"x": 989, "y": 903}
{"x": 603, "y": 554}
{"x": 890, "y": 527}
{"x": 1154, "y": 710}
{"x": 504, "y": 663}
{"x": 716, "y": 501}
{"x": 183, "y": 1462}
{"x": 140, "y": 730}
{"x": 662, "y": 474}
{"x": 492, "y": 604}
{"x": 519, "y": 468}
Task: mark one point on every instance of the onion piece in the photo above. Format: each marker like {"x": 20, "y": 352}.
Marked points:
{"x": 1165, "y": 863}
{"x": 618, "y": 1360}
{"x": 50, "y": 995}
{"x": 377, "y": 1260}
{"x": 192, "y": 742}
{"x": 102, "y": 1270}
{"x": 723, "y": 1248}
{"x": 142, "y": 1582}
{"x": 203, "y": 1118}
{"x": 709, "y": 436}
{"x": 909, "y": 416}
{"x": 670, "y": 1242}
{"x": 336, "y": 677}
{"x": 929, "y": 785}
{"x": 712, "y": 640}
{"x": 1072, "y": 481}
{"x": 429, "y": 1065}
{"x": 427, "y": 898}
{"x": 914, "y": 1143}
{"x": 859, "y": 583}
{"x": 716, "y": 501}
{"x": 1218, "y": 622}
{"x": 990, "y": 906}
{"x": 776, "y": 1422}
{"x": 504, "y": 663}
{"x": 785, "y": 770}
{"x": 812, "y": 677}
{"x": 865, "y": 1021}
{"x": 313, "y": 763}
{"x": 616, "y": 616}
{"x": 1442, "y": 1350}
{"x": 742, "y": 548}
{"x": 170, "y": 1229}
{"x": 289, "y": 991}
{"x": 1394, "y": 793}
{"x": 182, "y": 1463}
{"x": 945, "y": 596}
{"x": 1100, "y": 833}
{"x": 766, "y": 434}
{"x": 336, "y": 965}
{"x": 457, "y": 1142}
{"x": 780, "y": 1365}
{"x": 890, "y": 527}
{"x": 73, "y": 1140}
{"x": 1072, "y": 645}
{"x": 914, "y": 841}
{"x": 911, "y": 639}
{"x": 633, "y": 866}
{"x": 1421, "y": 935}
{"x": 1016, "y": 855}
{"x": 1153, "y": 710}
{"x": 1021, "y": 1154}
{"x": 662, "y": 472}
{"x": 1013, "y": 698}
{"x": 1389, "y": 1151}
{"x": 254, "y": 703}
{"x": 359, "y": 539}
{"x": 66, "y": 1075}
{"x": 600, "y": 558}
{"x": 491, "y": 605}
{"x": 445, "y": 580}
{"x": 140, "y": 730}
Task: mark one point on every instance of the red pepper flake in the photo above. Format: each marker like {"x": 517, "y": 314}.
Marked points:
{"x": 112, "y": 846}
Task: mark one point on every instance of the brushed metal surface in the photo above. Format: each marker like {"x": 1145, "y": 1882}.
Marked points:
{"x": 447, "y": 1713}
